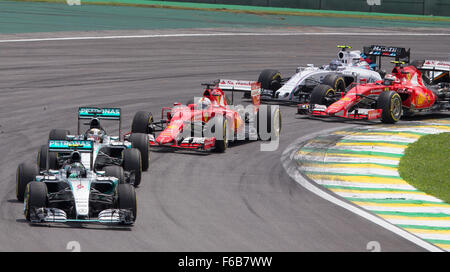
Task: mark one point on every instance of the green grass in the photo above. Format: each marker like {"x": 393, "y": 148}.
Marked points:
{"x": 426, "y": 165}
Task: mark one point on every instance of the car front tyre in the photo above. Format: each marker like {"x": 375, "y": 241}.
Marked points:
{"x": 35, "y": 197}
{"x": 126, "y": 198}
{"x": 390, "y": 103}
{"x": 26, "y": 172}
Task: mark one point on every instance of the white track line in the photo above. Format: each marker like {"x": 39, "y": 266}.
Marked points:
{"x": 351, "y": 170}
{"x": 312, "y": 158}
{"x": 385, "y": 195}
{"x": 292, "y": 170}
{"x": 326, "y": 182}
{"x": 221, "y": 34}
{"x": 411, "y": 209}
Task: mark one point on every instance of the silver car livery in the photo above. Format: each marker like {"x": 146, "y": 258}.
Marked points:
{"x": 75, "y": 193}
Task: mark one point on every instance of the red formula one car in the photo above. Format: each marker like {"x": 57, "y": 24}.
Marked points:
{"x": 420, "y": 87}
{"x": 209, "y": 122}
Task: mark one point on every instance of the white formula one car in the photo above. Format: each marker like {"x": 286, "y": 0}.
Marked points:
{"x": 349, "y": 67}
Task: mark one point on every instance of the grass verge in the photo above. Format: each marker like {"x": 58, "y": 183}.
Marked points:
{"x": 426, "y": 165}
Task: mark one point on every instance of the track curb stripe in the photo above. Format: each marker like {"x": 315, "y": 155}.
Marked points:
{"x": 360, "y": 165}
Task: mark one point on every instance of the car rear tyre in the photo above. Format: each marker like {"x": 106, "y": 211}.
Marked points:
{"x": 323, "y": 95}
{"x": 391, "y": 104}
{"x": 115, "y": 171}
{"x": 132, "y": 162}
{"x": 335, "y": 81}
{"x": 58, "y": 134}
{"x": 142, "y": 121}
{"x": 126, "y": 198}
{"x": 36, "y": 197}
{"x": 26, "y": 172}
{"x": 42, "y": 159}
{"x": 140, "y": 141}
{"x": 270, "y": 79}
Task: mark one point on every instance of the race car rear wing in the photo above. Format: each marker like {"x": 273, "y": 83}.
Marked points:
{"x": 64, "y": 146}
{"x": 245, "y": 86}
{"x": 436, "y": 71}
{"x": 68, "y": 146}
{"x": 90, "y": 113}
{"x": 375, "y": 52}
{"x": 434, "y": 65}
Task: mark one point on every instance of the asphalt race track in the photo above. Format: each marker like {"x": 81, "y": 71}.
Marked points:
{"x": 238, "y": 201}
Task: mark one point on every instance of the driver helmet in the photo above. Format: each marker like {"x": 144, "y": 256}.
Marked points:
{"x": 390, "y": 79}
{"x": 76, "y": 170}
{"x": 95, "y": 123}
{"x": 216, "y": 94}
{"x": 204, "y": 103}
{"x": 95, "y": 134}
{"x": 334, "y": 64}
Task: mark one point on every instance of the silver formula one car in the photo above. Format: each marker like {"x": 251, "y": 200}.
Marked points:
{"x": 132, "y": 154}
{"x": 75, "y": 193}
{"x": 349, "y": 67}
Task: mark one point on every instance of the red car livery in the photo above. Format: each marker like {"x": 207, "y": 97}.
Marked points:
{"x": 421, "y": 87}
{"x": 206, "y": 123}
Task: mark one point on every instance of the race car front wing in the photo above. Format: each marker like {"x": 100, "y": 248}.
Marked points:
{"x": 188, "y": 143}
{"x": 320, "y": 111}
{"x": 108, "y": 216}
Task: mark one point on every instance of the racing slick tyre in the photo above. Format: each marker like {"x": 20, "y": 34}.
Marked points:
{"x": 35, "y": 197}
{"x": 126, "y": 198}
{"x": 58, "y": 134}
{"x": 335, "y": 81}
{"x": 132, "y": 162}
{"x": 217, "y": 127}
{"x": 272, "y": 120}
{"x": 115, "y": 171}
{"x": 220, "y": 130}
{"x": 270, "y": 80}
{"x": 140, "y": 141}
{"x": 141, "y": 122}
{"x": 26, "y": 172}
{"x": 42, "y": 156}
{"x": 323, "y": 95}
{"x": 391, "y": 104}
